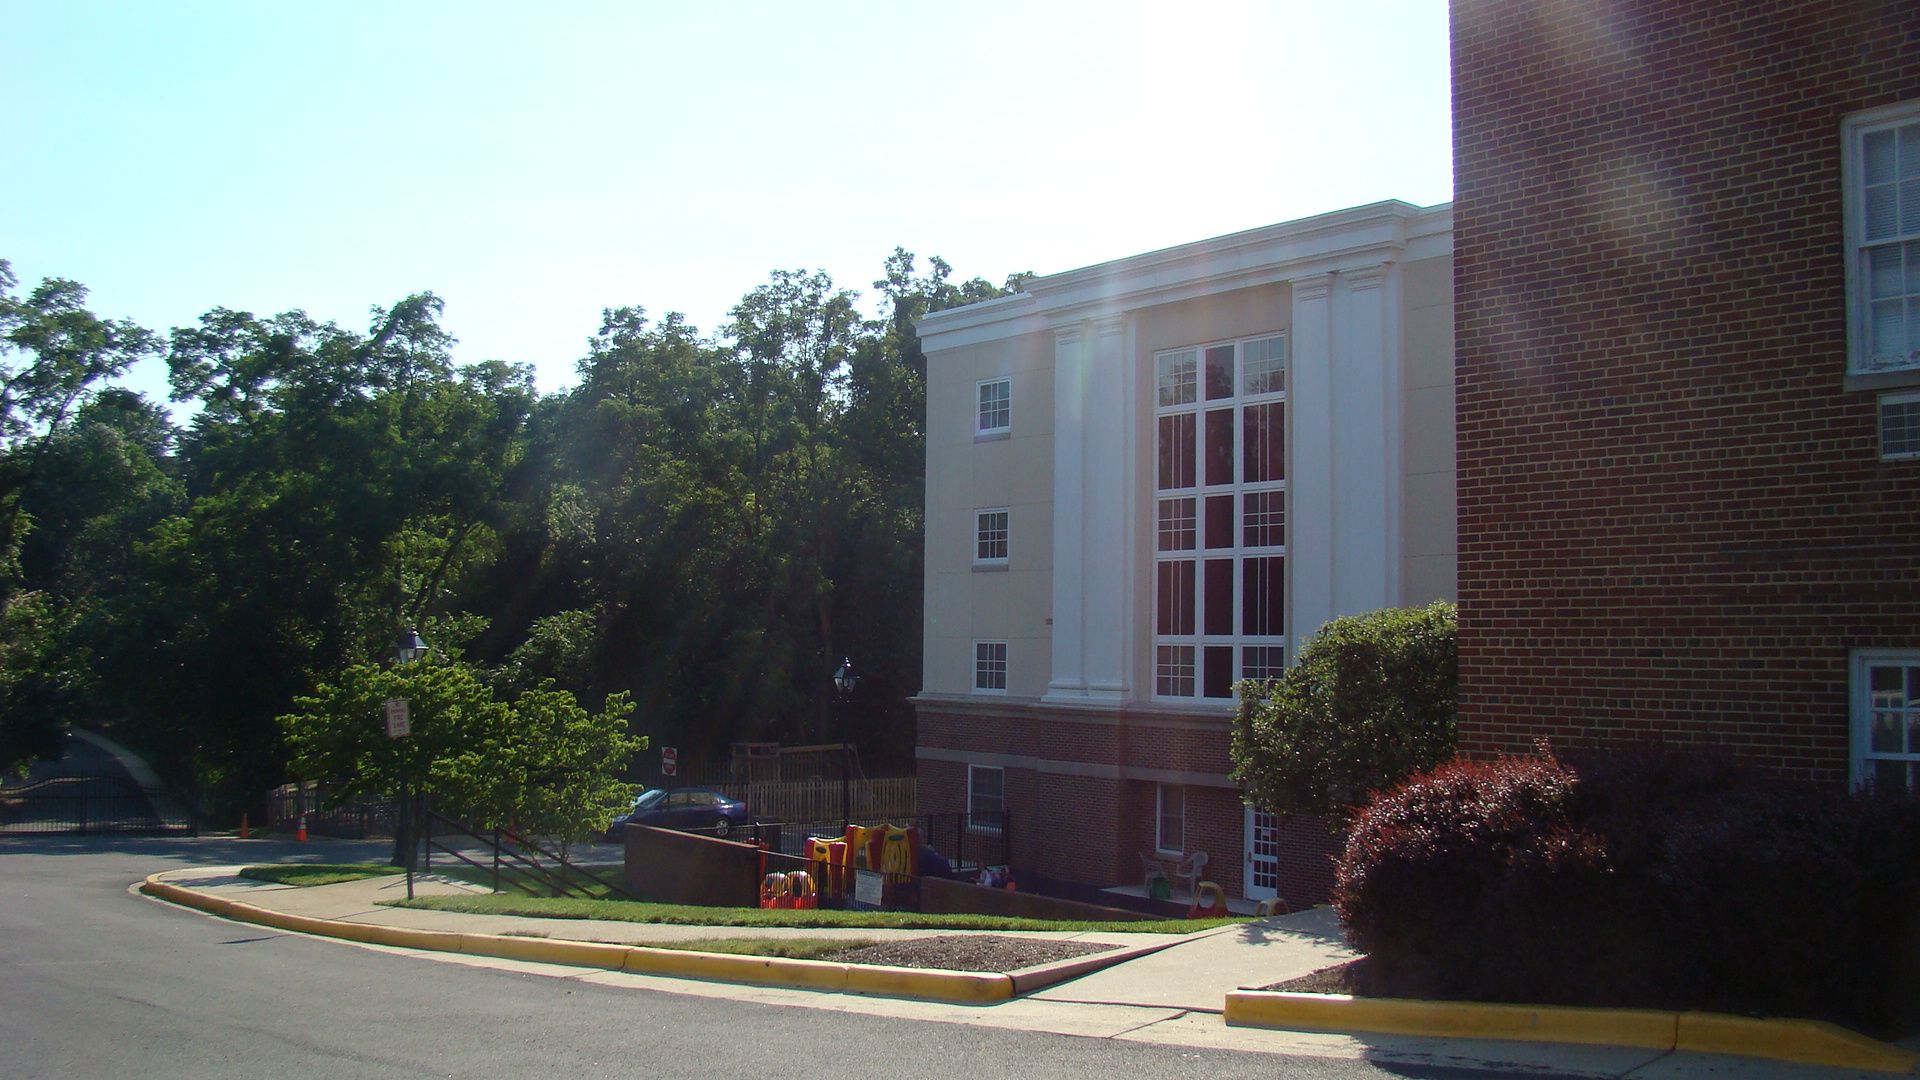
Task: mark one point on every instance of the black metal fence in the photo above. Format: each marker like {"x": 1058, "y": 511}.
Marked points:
{"x": 91, "y": 804}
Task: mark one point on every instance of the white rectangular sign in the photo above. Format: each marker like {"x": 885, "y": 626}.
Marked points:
{"x": 398, "y": 726}
{"x": 866, "y": 887}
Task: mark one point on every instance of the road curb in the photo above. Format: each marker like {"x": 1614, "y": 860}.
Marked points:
{"x": 1806, "y": 1042}
{"x": 953, "y": 987}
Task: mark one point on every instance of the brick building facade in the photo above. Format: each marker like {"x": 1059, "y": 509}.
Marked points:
{"x": 1687, "y": 315}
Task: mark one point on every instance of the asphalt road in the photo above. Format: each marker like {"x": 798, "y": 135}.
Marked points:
{"x": 98, "y": 983}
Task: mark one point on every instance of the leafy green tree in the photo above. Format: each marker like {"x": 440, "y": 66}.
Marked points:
{"x": 540, "y": 763}
{"x": 1369, "y": 702}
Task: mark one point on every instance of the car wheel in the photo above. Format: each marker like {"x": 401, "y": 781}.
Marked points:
{"x": 722, "y": 827}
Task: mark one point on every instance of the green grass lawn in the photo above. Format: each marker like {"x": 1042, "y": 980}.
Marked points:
{"x": 547, "y": 907}
{"x": 305, "y": 874}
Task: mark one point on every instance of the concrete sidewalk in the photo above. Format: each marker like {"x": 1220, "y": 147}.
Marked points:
{"x": 1172, "y": 995}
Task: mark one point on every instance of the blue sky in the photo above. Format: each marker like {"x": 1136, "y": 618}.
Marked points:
{"x": 534, "y": 164}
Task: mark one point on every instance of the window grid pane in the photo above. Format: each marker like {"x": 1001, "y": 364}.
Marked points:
{"x": 990, "y": 536}
{"x": 1264, "y": 366}
{"x": 1211, "y": 437}
{"x": 996, "y": 405}
{"x": 1173, "y": 670}
{"x": 1893, "y": 723}
{"x": 1176, "y": 525}
{"x": 1265, "y": 519}
{"x": 990, "y": 665}
{"x": 1177, "y": 377}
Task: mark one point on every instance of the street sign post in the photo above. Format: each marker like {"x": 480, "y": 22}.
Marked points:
{"x": 398, "y": 725}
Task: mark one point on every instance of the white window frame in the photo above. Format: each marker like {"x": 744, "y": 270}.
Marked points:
{"x": 1854, "y": 131}
{"x": 981, "y": 428}
{"x": 1162, "y": 795}
{"x": 1178, "y": 658}
{"x": 995, "y": 828}
{"x": 1905, "y": 397}
{"x": 986, "y": 536}
{"x": 984, "y": 665}
{"x": 1860, "y": 729}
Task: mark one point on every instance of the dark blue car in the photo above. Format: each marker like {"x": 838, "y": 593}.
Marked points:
{"x": 700, "y": 810}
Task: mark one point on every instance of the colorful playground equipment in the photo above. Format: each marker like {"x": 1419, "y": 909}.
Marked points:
{"x": 890, "y": 850}
{"x": 1209, "y": 900}
{"x": 791, "y": 890}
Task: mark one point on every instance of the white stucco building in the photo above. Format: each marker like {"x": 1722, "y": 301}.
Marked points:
{"x": 1149, "y": 478}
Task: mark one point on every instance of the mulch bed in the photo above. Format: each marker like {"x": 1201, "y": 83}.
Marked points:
{"x": 1348, "y": 978}
{"x": 968, "y": 952}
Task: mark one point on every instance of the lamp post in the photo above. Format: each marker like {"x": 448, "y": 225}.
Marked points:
{"x": 844, "y": 681}
{"x": 411, "y": 647}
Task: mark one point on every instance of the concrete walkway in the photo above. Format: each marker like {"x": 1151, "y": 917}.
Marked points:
{"x": 1171, "y": 996}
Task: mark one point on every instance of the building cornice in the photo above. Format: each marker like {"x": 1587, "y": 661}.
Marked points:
{"x": 1344, "y": 240}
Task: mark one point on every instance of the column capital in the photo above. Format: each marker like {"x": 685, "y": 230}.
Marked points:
{"x": 1312, "y": 287}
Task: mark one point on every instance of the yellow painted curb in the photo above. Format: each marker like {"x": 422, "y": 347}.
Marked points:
{"x": 962, "y": 987}
{"x": 1807, "y": 1042}
{"x": 1459, "y": 1019}
{"x": 729, "y": 967}
{"x": 959, "y": 987}
{"x": 542, "y": 950}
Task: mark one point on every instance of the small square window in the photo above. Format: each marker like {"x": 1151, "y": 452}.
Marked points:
{"x": 990, "y": 536}
{"x": 990, "y": 667}
{"x": 995, "y": 415}
{"x": 986, "y": 798}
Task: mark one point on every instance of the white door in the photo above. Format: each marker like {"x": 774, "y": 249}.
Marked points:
{"x": 1263, "y": 855}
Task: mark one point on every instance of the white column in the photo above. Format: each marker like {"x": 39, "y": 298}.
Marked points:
{"x": 1310, "y": 477}
{"x": 1108, "y": 529}
{"x": 1366, "y": 440}
{"x": 1070, "y": 376}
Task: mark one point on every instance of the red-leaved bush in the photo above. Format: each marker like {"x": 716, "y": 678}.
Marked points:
{"x": 1643, "y": 878}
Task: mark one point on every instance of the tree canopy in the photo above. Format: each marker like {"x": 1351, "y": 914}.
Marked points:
{"x": 704, "y": 523}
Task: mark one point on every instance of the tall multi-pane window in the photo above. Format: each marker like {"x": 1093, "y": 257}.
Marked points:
{"x": 995, "y": 415}
{"x": 1883, "y": 231}
{"x": 1220, "y": 506}
{"x": 990, "y": 667}
{"x": 990, "y": 535}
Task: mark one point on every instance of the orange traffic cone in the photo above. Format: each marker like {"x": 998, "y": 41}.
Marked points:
{"x": 301, "y": 835}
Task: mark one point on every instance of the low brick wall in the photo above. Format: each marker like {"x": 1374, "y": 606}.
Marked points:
{"x": 682, "y": 868}
{"x": 938, "y": 895}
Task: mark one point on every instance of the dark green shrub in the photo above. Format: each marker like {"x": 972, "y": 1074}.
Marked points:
{"x": 1639, "y": 878}
{"x": 1370, "y": 700}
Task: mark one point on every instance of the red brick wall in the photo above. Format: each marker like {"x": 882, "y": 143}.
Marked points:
{"x": 1673, "y": 520}
{"x": 1090, "y": 830}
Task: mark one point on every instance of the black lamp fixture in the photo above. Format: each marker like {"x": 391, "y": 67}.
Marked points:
{"x": 844, "y": 678}
{"x": 412, "y": 646}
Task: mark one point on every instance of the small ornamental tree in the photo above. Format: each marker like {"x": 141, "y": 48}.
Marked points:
{"x": 1370, "y": 702}
{"x": 539, "y": 763}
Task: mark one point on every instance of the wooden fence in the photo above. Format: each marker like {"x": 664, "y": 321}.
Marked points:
{"x": 875, "y": 800}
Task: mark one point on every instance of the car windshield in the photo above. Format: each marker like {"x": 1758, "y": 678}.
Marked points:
{"x": 649, "y": 799}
